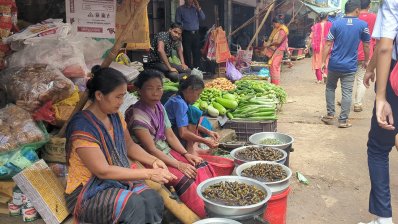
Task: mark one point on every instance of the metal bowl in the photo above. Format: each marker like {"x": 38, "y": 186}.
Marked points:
{"x": 285, "y": 139}
{"x": 217, "y": 221}
{"x": 224, "y": 210}
{"x": 276, "y": 186}
{"x": 241, "y": 161}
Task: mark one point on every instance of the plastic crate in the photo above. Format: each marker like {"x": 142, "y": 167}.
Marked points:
{"x": 244, "y": 129}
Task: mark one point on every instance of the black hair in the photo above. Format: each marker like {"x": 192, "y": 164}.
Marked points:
{"x": 278, "y": 19}
{"x": 192, "y": 81}
{"x": 351, "y": 5}
{"x": 323, "y": 15}
{"x": 365, "y": 4}
{"x": 176, "y": 25}
{"x": 104, "y": 80}
{"x": 146, "y": 75}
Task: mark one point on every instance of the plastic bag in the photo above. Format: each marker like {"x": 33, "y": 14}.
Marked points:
{"x": 232, "y": 73}
{"x": 197, "y": 72}
{"x": 49, "y": 28}
{"x": 14, "y": 162}
{"x": 34, "y": 85}
{"x": 45, "y": 113}
{"x": 222, "y": 48}
{"x": 243, "y": 57}
{"x": 128, "y": 71}
{"x": 64, "y": 55}
{"x": 17, "y": 129}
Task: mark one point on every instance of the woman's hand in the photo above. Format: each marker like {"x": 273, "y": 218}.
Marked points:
{"x": 159, "y": 164}
{"x": 214, "y": 135}
{"x": 187, "y": 169}
{"x": 384, "y": 114}
{"x": 161, "y": 176}
{"x": 211, "y": 143}
{"x": 193, "y": 159}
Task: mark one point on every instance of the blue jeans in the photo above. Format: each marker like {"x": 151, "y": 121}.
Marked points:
{"x": 347, "y": 83}
{"x": 380, "y": 144}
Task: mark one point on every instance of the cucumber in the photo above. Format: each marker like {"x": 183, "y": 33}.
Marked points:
{"x": 203, "y": 106}
{"x": 229, "y": 96}
{"x": 170, "y": 88}
{"x": 220, "y": 108}
{"x": 213, "y": 112}
{"x": 229, "y": 104}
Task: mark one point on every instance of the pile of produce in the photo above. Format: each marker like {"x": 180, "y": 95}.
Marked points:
{"x": 265, "y": 172}
{"x": 271, "y": 141}
{"x": 261, "y": 153}
{"x": 254, "y": 77}
{"x": 256, "y": 108}
{"x": 215, "y": 103}
{"x": 169, "y": 86}
{"x": 234, "y": 194}
{"x": 259, "y": 88}
{"x": 251, "y": 99}
{"x": 221, "y": 83}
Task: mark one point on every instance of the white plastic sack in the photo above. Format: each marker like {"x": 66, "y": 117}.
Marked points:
{"x": 129, "y": 72}
{"x": 62, "y": 54}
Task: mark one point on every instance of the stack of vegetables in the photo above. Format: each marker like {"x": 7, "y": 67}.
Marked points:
{"x": 221, "y": 83}
{"x": 252, "y": 100}
{"x": 169, "y": 86}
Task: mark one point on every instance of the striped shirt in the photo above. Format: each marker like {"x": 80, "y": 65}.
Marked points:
{"x": 346, "y": 34}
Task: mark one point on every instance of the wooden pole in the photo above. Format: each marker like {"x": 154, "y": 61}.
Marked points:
{"x": 295, "y": 15}
{"x": 251, "y": 20}
{"x": 261, "y": 25}
{"x": 108, "y": 60}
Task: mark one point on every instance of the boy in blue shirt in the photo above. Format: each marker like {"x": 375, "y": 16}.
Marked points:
{"x": 345, "y": 36}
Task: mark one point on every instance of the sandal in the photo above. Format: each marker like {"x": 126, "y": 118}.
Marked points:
{"x": 345, "y": 124}
{"x": 327, "y": 119}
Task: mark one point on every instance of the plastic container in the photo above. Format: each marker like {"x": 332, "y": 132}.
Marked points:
{"x": 222, "y": 166}
{"x": 244, "y": 128}
{"x": 277, "y": 208}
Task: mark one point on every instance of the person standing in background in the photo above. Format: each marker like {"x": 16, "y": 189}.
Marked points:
{"x": 189, "y": 16}
{"x": 318, "y": 39}
{"x": 370, "y": 19}
{"x": 345, "y": 36}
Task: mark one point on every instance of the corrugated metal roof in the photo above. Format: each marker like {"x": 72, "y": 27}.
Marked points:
{"x": 321, "y": 9}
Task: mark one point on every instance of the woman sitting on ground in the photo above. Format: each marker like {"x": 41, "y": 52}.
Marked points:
{"x": 149, "y": 122}
{"x": 101, "y": 187}
{"x": 180, "y": 110}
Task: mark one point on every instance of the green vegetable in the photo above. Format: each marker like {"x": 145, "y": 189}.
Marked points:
{"x": 170, "y": 88}
{"x": 213, "y": 112}
{"x": 229, "y": 104}
{"x": 229, "y": 96}
{"x": 271, "y": 141}
{"x": 230, "y": 116}
{"x": 203, "y": 105}
{"x": 220, "y": 108}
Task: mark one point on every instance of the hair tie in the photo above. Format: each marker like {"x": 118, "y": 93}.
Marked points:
{"x": 95, "y": 70}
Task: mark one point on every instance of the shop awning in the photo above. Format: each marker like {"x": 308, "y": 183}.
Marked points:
{"x": 318, "y": 10}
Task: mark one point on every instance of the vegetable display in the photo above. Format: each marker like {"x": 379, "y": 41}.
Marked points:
{"x": 169, "y": 86}
{"x": 250, "y": 100}
{"x": 221, "y": 83}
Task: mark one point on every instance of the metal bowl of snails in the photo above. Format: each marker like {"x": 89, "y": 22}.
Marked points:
{"x": 276, "y": 176}
{"x": 233, "y": 195}
{"x": 258, "y": 153}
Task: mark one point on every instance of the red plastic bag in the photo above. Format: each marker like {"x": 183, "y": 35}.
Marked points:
{"x": 222, "y": 48}
{"x": 45, "y": 113}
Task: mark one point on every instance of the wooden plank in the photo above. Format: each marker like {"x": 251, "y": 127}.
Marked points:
{"x": 261, "y": 25}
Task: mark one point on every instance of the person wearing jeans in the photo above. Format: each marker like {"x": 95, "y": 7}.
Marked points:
{"x": 370, "y": 19}
{"x": 383, "y": 131}
{"x": 345, "y": 36}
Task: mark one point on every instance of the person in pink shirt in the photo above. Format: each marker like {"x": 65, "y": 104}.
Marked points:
{"x": 370, "y": 19}
{"x": 318, "y": 39}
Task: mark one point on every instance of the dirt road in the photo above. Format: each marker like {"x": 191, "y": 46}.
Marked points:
{"x": 334, "y": 160}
